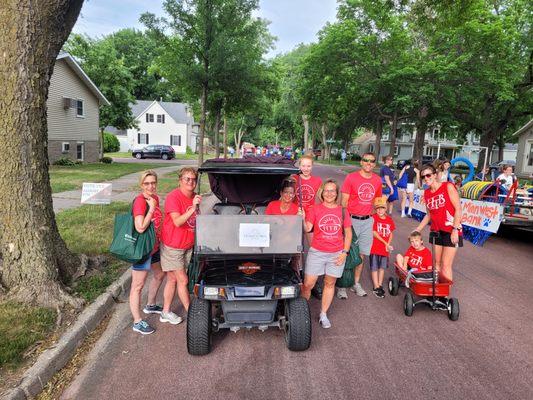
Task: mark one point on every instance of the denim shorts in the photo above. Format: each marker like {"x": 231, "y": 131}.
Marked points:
{"x": 378, "y": 262}
{"x": 145, "y": 266}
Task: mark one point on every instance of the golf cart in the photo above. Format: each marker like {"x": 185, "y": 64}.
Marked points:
{"x": 247, "y": 264}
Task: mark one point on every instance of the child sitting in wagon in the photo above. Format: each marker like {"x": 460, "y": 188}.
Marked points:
{"x": 417, "y": 260}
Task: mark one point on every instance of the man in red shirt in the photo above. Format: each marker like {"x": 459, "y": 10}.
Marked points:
{"x": 177, "y": 241}
{"x": 359, "y": 190}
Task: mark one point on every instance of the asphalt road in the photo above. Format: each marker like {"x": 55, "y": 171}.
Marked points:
{"x": 372, "y": 351}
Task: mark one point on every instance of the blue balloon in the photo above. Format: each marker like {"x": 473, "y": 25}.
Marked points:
{"x": 469, "y": 165}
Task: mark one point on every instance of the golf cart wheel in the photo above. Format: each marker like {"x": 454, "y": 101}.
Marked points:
{"x": 453, "y": 309}
{"x": 394, "y": 285}
{"x": 199, "y": 327}
{"x": 298, "y": 329}
{"x": 408, "y": 304}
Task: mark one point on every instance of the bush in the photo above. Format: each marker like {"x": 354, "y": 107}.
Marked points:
{"x": 65, "y": 162}
{"x": 111, "y": 143}
{"x": 356, "y": 157}
{"x": 106, "y": 160}
{"x": 188, "y": 150}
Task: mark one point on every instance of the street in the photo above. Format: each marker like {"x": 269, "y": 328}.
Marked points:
{"x": 372, "y": 351}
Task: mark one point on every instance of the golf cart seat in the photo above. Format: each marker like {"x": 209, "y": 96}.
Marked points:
{"x": 238, "y": 209}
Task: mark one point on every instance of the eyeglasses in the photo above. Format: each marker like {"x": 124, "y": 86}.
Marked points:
{"x": 189, "y": 180}
{"x": 425, "y": 176}
{"x": 368, "y": 160}
{"x": 149, "y": 183}
{"x": 330, "y": 191}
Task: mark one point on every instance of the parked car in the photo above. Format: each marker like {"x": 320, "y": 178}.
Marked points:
{"x": 155, "y": 151}
{"x": 248, "y": 274}
{"x": 425, "y": 160}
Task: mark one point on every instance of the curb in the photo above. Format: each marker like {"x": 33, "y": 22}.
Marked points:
{"x": 53, "y": 359}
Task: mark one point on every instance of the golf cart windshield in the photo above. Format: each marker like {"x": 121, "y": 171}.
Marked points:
{"x": 248, "y": 234}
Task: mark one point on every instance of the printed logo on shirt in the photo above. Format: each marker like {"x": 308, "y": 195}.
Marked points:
{"x": 415, "y": 261}
{"x": 384, "y": 229}
{"x": 330, "y": 224}
{"x": 191, "y": 222}
{"x": 366, "y": 192}
{"x": 436, "y": 202}
{"x": 308, "y": 193}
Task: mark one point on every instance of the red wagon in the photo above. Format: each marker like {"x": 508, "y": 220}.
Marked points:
{"x": 432, "y": 291}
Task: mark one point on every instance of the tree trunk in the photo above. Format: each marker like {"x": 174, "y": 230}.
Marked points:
{"x": 225, "y": 138}
{"x": 203, "y": 106}
{"x": 306, "y": 133}
{"x": 487, "y": 139}
{"x": 393, "y": 134}
{"x": 216, "y": 132}
{"x": 501, "y": 146}
{"x": 379, "y": 133}
{"x": 325, "y": 153}
{"x": 35, "y": 258}
{"x": 421, "y": 129}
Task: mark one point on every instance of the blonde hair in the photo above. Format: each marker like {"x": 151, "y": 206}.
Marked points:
{"x": 185, "y": 170}
{"x": 321, "y": 190}
{"x": 145, "y": 174}
{"x": 309, "y": 157}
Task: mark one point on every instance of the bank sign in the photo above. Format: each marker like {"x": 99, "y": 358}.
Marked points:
{"x": 477, "y": 214}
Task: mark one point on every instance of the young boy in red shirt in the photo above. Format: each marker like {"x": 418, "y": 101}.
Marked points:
{"x": 417, "y": 258}
{"x": 381, "y": 245}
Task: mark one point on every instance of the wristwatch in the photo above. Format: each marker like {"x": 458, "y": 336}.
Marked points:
{"x": 458, "y": 228}
{"x": 345, "y": 251}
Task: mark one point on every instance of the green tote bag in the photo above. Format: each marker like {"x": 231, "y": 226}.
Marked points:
{"x": 353, "y": 260}
{"x": 128, "y": 244}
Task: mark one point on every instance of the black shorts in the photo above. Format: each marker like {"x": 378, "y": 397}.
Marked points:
{"x": 445, "y": 239}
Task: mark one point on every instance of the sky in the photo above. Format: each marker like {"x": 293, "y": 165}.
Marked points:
{"x": 292, "y": 21}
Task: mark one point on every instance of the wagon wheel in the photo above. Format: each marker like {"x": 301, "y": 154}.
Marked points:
{"x": 408, "y": 304}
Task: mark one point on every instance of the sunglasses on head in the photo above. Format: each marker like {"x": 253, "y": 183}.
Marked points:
{"x": 369, "y": 160}
{"x": 427, "y": 175}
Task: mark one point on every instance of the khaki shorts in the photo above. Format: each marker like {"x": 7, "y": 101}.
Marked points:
{"x": 174, "y": 259}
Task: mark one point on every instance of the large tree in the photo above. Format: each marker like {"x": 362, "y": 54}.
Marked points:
{"x": 35, "y": 258}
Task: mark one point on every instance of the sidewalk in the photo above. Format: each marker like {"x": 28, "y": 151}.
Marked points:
{"x": 121, "y": 190}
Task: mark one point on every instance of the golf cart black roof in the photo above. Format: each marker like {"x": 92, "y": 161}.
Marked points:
{"x": 250, "y": 165}
{"x": 248, "y": 180}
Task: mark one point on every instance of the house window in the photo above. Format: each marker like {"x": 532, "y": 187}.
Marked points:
{"x": 161, "y": 118}
{"x": 65, "y": 147}
{"x": 371, "y": 148}
{"x": 149, "y": 117}
{"x": 396, "y": 150}
{"x": 79, "y": 108}
{"x": 385, "y": 136}
{"x": 175, "y": 140}
{"x": 80, "y": 151}
{"x": 142, "y": 138}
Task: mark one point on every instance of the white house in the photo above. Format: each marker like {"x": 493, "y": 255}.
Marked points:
{"x": 524, "y": 160}
{"x": 160, "y": 122}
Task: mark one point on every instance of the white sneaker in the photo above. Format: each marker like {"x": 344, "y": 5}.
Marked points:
{"x": 170, "y": 317}
{"x": 358, "y": 290}
{"x": 403, "y": 215}
{"x": 341, "y": 293}
{"x": 324, "y": 321}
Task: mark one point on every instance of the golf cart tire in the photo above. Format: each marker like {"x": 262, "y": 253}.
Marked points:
{"x": 453, "y": 309}
{"x": 408, "y": 304}
{"x": 394, "y": 285}
{"x": 199, "y": 327}
{"x": 298, "y": 330}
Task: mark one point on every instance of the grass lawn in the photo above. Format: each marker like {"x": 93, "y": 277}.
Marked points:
{"x": 64, "y": 178}
{"x": 20, "y": 328}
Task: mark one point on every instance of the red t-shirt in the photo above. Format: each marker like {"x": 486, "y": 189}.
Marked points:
{"x": 419, "y": 259}
{"x": 274, "y": 208}
{"x": 309, "y": 190}
{"x": 384, "y": 227}
{"x": 140, "y": 207}
{"x": 440, "y": 208}
{"x": 328, "y": 233}
{"x": 362, "y": 192}
{"x": 178, "y": 237}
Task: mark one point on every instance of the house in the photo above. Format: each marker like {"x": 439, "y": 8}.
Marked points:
{"x": 524, "y": 158}
{"x": 159, "y": 122}
{"x": 73, "y": 113}
{"x": 436, "y": 144}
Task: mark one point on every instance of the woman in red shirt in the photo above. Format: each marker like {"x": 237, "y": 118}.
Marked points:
{"x": 330, "y": 246}
{"x": 285, "y": 204}
{"x": 444, "y": 211}
{"x": 145, "y": 211}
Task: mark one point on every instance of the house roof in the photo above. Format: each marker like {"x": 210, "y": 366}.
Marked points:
{"x": 83, "y": 76}
{"x": 177, "y": 111}
{"x": 364, "y": 138}
{"x": 525, "y": 128}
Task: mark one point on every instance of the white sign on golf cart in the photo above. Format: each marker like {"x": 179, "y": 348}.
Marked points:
{"x": 254, "y": 235}
{"x": 96, "y": 193}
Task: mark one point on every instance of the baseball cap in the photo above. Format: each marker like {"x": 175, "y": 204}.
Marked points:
{"x": 380, "y": 202}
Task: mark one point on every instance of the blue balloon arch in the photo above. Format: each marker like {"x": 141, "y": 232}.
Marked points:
{"x": 468, "y": 164}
